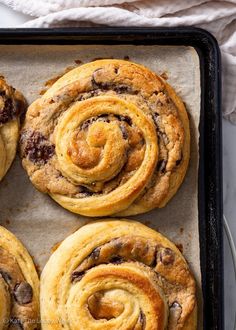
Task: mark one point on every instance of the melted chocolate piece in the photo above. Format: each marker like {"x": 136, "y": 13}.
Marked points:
{"x": 178, "y": 161}
{"x": 154, "y": 261}
{"x": 87, "y": 123}
{"x": 7, "y": 277}
{"x": 77, "y": 276}
{"x": 161, "y": 165}
{"x": 165, "y": 138}
{"x": 167, "y": 256}
{"x": 117, "y": 260}
{"x": 155, "y": 116}
{"x": 95, "y": 254}
{"x": 127, "y": 119}
{"x": 105, "y": 86}
{"x": 9, "y": 110}
{"x": 120, "y": 89}
{"x": 124, "y": 132}
{"x": 174, "y": 315}
{"x": 142, "y": 319}
{"x": 37, "y": 148}
{"x": 103, "y": 115}
{"x": 85, "y": 191}
{"x": 23, "y": 293}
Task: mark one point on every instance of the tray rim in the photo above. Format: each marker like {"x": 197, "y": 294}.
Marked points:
{"x": 210, "y": 201}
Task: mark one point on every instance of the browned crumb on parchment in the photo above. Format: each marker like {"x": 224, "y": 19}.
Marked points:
{"x": 164, "y": 75}
{"x": 180, "y": 247}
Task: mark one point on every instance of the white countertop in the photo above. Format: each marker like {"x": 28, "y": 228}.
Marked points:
{"x": 9, "y": 18}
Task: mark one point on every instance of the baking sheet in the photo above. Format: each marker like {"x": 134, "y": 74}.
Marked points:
{"x": 41, "y": 223}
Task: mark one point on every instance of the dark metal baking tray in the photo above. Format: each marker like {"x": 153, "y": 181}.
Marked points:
{"x": 210, "y": 144}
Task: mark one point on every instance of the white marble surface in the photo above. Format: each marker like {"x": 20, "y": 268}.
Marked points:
{"x": 9, "y": 18}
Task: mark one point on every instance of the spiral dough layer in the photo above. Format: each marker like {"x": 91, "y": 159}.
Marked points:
{"x": 117, "y": 275}
{"x": 108, "y": 137}
{"x": 19, "y": 286}
{"x": 12, "y": 104}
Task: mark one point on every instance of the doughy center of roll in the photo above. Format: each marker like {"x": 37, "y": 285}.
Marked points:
{"x": 117, "y": 297}
{"x": 98, "y": 138}
{"x": 103, "y": 306}
{"x": 88, "y": 149}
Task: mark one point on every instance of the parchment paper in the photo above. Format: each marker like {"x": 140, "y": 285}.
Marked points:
{"x": 41, "y": 223}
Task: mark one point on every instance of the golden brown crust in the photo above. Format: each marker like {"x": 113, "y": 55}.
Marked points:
{"x": 108, "y": 137}
{"x": 19, "y": 285}
{"x": 12, "y": 104}
{"x": 118, "y": 275}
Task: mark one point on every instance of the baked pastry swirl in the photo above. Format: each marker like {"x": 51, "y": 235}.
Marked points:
{"x": 19, "y": 285}
{"x": 12, "y": 104}
{"x": 117, "y": 275}
{"x": 108, "y": 137}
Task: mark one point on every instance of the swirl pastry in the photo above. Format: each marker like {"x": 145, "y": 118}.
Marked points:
{"x": 19, "y": 285}
{"x": 117, "y": 275}
{"x": 12, "y": 103}
{"x": 108, "y": 137}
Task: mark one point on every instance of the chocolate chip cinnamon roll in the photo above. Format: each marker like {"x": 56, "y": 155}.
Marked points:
{"x": 109, "y": 137}
{"x": 117, "y": 275}
{"x": 12, "y": 104}
{"x": 19, "y": 285}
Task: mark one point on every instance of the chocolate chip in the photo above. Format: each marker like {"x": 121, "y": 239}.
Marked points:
{"x": 77, "y": 276}
{"x": 23, "y": 293}
{"x": 95, "y": 254}
{"x": 142, "y": 320}
{"x": 78, "y": 61}
{"x": 155, "y": 256}
{"x": 165, "y": 138}
{"x": 174, "y": 315}
{"x": 103, "y": 115}
{"x": 98, "y": 84}
{"x": 161, "y": 165}
{"x": 37, "y": 148}
{"x": 126, "y": 58}
{"x": 8, "y": 111}
{"x": 7, "y": 277}
{"x": 85, "y": 125}
{"x": 88, "y": 122}
{"x": 155, "y": 117}
{"x": 120, "y": 89}
{"x": 15, "y": 324}
{"x": 127, "y": 119}
{"x": 124, "y": 132}
{"x": 167, "y": 256}
{"x": 175, "y": 305}
{"x": 85, "y": 191}
{"x": 104, "y": 118}
{"x": 117, "y": 260}
{"x": 178, "y": 161}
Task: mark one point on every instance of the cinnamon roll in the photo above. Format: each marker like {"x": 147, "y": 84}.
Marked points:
{"x": 109, "y": 137}
{"x": 117, "y": 275}
{"x": 12, "y": 104}
{"x": 19, "y": 285}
